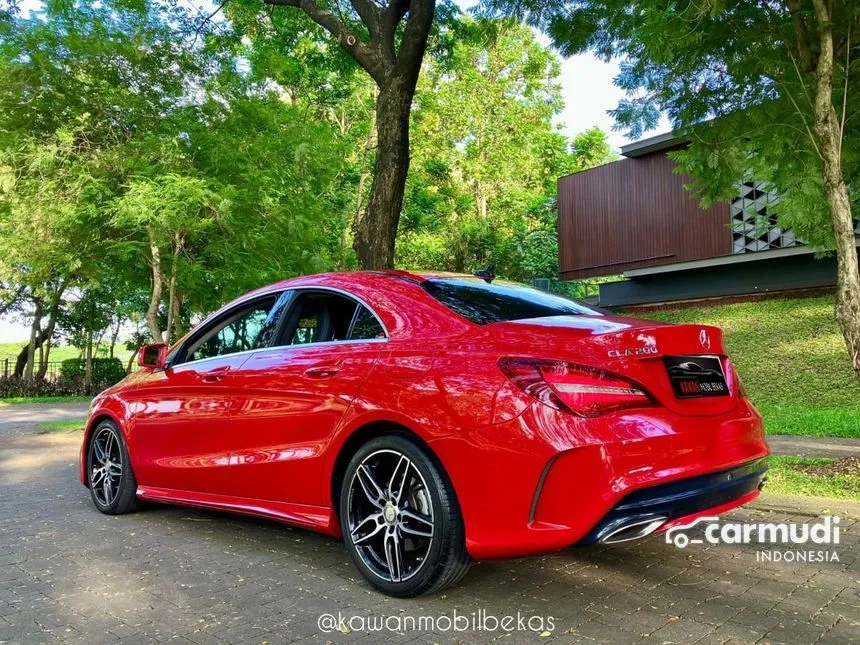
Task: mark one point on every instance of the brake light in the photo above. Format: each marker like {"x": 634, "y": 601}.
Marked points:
{"x": 739, "y": 386}
{"x": 581, "y": 390}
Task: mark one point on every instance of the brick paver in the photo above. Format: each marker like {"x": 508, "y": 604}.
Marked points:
{"x": 69, "y": 573}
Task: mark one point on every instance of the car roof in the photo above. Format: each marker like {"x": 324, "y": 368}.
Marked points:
{"x": 360, "y": 277}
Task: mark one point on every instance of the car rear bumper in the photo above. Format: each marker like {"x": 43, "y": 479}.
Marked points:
{"x": 548, "y": 480}
{"x": 665, "y": 503}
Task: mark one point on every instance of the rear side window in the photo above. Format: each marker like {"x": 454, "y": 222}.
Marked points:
{"x": 319, "y": 317}
{"x": 365, "y": 326}
{"x": 483, "y": 303}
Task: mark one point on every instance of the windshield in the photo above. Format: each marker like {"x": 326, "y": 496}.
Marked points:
{"x": 483, "y": 303}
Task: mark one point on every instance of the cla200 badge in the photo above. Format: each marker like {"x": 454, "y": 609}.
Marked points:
{"x": 635, "y": 351}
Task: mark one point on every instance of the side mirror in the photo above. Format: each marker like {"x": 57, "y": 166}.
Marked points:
{"x": 153, "y": 356}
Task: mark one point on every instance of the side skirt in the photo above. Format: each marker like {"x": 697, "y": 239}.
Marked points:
{"x": 316, "y": 518}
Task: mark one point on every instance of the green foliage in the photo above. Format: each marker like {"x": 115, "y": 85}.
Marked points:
{"x": 487, "y": 156}
{"x": 136, "y": 153}
{"x": 105, "y": 370}
{"x": 731, "y": 75}
{"x": 791, "y": 358}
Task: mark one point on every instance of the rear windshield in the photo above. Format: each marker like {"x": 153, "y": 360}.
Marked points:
{"x": 483, "y": 303}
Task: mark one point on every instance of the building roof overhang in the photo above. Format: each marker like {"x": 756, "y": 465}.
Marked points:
{"x": 657, "y": 143}
{"x": 758, "y": 256}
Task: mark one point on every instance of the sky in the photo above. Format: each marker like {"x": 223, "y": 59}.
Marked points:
{"x": 588, "y": 93}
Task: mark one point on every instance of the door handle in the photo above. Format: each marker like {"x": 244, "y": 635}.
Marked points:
{"x": 216, "y": 375}
{"x": 323, "y": 371}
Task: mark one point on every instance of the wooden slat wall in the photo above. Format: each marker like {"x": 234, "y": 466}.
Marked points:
{"x": 634, "y": 213}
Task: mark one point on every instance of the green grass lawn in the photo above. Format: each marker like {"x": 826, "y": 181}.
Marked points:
{"x": 45, "y": 399}
{"x": 792, "y": 360}
{"x": 808, "y": 476}
{"x": 60, "y": 352}
{"x": 60, "y": 426}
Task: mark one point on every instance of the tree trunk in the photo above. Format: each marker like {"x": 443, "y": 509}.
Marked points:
{"x": 155, "y": 298}
{"x": 828, "y": 131}
{"x": 21, "y": 360}
{"x": 177, "y": 318}
{"x": 35, "y": 333}
{"x": 171, "y": 302}
{"x": 114, "y": 336}
{"x": 392, "y": 57}
{"x": 376, "y": 231}
{"x": 88, "y": 363}
{"x": 47, "y": 335}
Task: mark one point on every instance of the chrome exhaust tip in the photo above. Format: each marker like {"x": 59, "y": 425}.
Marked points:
{"x": 633, "y": 531}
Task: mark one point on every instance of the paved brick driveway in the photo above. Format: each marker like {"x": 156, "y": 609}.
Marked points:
{"x": 69, "y": 573}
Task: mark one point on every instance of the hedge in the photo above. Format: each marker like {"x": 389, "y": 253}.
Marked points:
{"x": 105, "y": 370}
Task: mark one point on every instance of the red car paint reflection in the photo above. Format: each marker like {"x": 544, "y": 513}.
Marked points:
{"x": 543, "y": 423}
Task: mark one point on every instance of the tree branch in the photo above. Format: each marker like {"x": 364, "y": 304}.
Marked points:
{"x": 394, "y": 13}
{"x": 414, "y": 41}
{"x": 364, "y": 54}
{"x": 206, "y": 21}
{"x": 802, "y": 35}
{"x": 370, "y": 15}
{"x": 845, "y": 91}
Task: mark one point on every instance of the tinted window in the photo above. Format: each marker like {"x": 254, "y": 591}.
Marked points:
{"x": 237, "y": 333}
{"x": 270, "y": 327}
{"x": 319, "y": 317}
{"x": 483, "y": 303}
{"x": 365, "y": 326}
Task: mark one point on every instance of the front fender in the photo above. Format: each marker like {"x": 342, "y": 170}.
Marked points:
{"x": 108, "y": 407}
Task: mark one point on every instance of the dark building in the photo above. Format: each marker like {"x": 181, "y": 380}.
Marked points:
{"x": 634, "y": 218}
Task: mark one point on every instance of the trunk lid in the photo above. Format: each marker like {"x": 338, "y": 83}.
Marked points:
{"x": 640, "y": 350}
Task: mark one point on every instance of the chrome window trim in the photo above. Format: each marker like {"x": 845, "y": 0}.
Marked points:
{"x": 339, "y": 343}
{"x": 279, "y": 294}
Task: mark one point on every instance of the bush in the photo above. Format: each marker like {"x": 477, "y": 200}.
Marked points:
{"x": 105, "y": 370}
{"x": 12, "y": 387}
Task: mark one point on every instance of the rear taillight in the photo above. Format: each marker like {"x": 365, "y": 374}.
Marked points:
{"x": 739, "y": 386}
{"x": 578, "y": 389}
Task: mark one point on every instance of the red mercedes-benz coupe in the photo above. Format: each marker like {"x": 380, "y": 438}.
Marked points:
{"x": 431, "y": 419}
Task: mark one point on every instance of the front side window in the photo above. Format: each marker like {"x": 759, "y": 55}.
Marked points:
{"x": 483, "y": 303}
{"x": 239, "y": 332}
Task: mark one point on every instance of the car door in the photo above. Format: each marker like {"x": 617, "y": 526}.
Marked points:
{"x": 290, "y": 398}
{"x": 181, "y": 435}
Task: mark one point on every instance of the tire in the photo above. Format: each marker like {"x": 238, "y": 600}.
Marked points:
{"x": 401, "y": 522}
{"x": 114, "y": 492}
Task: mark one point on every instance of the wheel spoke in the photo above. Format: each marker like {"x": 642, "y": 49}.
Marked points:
{"x": 98, "y": 474}
{"x": 399, "y": 478}
{"x": 393, "y": 555}
{"x": 425, "y": 524}
{"x": 368, "y": 484}
{"x": 109, "y": 445}
{"x": 108, "y": 490}
{"x": 115, "y": 470}
{"x": 367, "y": 528}
{"x": 99, "y": 450}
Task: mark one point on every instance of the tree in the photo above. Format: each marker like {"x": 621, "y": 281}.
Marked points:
{"x": 388, "y": 41}
{"x": 487, "y": 154}
{"x": 769, "y": 88}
